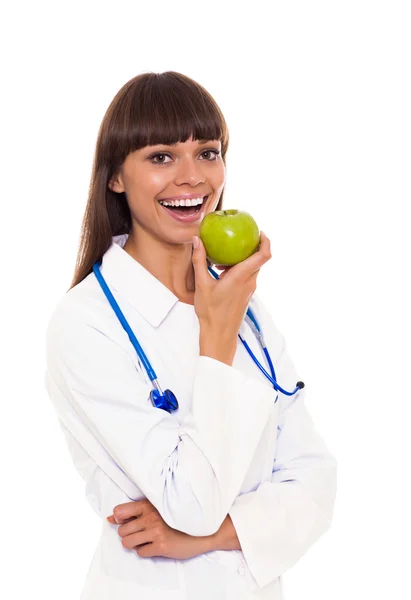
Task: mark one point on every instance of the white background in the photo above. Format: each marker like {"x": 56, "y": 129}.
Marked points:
{"x": 317, "y": 100}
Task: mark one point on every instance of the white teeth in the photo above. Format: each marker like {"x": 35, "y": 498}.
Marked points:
{"x": 187, "y": 202}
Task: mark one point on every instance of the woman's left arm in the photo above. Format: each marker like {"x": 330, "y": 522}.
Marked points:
{"x": 278, "y": 522}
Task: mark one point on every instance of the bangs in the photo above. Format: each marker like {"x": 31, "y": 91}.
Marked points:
{"x": 166, "y": 109}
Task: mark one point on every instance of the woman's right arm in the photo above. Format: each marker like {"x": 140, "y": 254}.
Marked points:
{"x": 221, "y": 304}
{"x": 191, "y": 472}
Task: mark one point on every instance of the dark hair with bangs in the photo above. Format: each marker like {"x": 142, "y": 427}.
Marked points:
{"x": 152, "y": 108}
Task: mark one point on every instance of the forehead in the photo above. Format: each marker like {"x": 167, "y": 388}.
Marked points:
{"x": 187, "y": 143}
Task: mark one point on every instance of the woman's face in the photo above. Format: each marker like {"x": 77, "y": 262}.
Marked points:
{"x": 161, "y": 172}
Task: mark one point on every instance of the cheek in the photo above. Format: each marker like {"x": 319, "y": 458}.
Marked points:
{"x": 219, "y": 178}
{"x": 143, "y": 191}
{"x": 146, "y": 182}
{"x": 156, "y": 180}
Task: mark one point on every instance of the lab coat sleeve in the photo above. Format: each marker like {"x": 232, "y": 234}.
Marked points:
{"x": 278, "y": 522}
{"x": 191, "y": 472}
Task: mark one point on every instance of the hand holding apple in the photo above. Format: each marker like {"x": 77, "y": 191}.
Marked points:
{"x": 221, "y": 304}
{"x": 229, "y": 236}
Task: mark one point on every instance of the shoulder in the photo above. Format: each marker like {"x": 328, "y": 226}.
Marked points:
{"x": 77, "y": 303}
{"x": 83, "y": 339}
{"x": 82, "y": 308}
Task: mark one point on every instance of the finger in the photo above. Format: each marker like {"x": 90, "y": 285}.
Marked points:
{"x": 224, "y": 269}
{"x": 124, "y": 511}
{"x": 132, "y": 526}
{"x": 254, "y": 262}
{"x": 199, "y": 260}
{"x": 112, "y": 519}
{"x": 136, "y": 539}
{"x": 261, "y": 255}
{"x": 147, "y": 551}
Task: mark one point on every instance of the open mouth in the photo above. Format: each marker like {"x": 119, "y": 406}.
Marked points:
{"x": 185, "y": 211}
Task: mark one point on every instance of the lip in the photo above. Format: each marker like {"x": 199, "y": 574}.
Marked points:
{"x": 184, "y": 197}
{"x": 198, "y": 217}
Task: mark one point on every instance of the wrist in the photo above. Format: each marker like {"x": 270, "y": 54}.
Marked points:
{"x": 225, "y": 538}
{"x": 215, "y": 346}
{"x": 202, "y": 544}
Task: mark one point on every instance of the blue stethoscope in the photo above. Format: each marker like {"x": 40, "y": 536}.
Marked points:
{"x": 167, "y": 400}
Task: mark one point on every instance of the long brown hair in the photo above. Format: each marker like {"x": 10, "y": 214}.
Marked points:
{"x": 152, "y": 108}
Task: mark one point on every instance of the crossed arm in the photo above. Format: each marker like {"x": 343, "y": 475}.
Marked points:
{"x": 142, "y": 528}
{"x": 274, "y": 525}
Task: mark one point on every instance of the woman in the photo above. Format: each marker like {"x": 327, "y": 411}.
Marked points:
{"x": 218, "y": 498}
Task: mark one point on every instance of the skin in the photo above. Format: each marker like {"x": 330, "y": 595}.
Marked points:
{"x": 142, "y": 529}
{"x": 162, "y": 245}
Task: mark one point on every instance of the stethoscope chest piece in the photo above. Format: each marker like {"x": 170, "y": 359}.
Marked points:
{"x": 166, "y": 401}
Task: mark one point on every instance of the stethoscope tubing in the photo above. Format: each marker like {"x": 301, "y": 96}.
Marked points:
{"x": 254, "y": 325}
{"x": 147, "y": 365}
{"x": 151, "y": 373}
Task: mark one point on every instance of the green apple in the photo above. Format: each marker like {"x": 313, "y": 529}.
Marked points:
{"x": 229, "y": 236}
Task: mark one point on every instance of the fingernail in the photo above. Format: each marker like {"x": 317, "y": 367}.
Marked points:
{"x": 196, "y": 243}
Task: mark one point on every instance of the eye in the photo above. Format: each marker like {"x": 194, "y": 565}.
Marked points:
{"x": 162, "y": 155}
{"x": 216, "y": 152}
{"x": 157, "y": 155}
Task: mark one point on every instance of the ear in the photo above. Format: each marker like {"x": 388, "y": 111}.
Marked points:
{"x": 116, "y": 184}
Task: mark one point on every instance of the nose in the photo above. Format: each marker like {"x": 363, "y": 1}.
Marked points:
{"x": 189, "y": 172}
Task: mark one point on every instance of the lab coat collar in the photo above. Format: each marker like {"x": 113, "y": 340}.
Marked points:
{"x": 128, "y": 277}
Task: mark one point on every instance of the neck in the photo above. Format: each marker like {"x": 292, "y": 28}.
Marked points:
{"x": 171, "y": 264}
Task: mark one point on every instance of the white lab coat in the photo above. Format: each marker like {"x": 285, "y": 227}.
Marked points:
{"x": 230, "y": 447}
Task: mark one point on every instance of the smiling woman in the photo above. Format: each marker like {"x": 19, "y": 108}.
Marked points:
{"x": 163, "y": 137}
{"x": 230, "y": 484}
{"x": 147, "y": 183}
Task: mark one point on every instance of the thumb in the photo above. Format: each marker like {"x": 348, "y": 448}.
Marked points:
{"x": 199, "y": 259}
